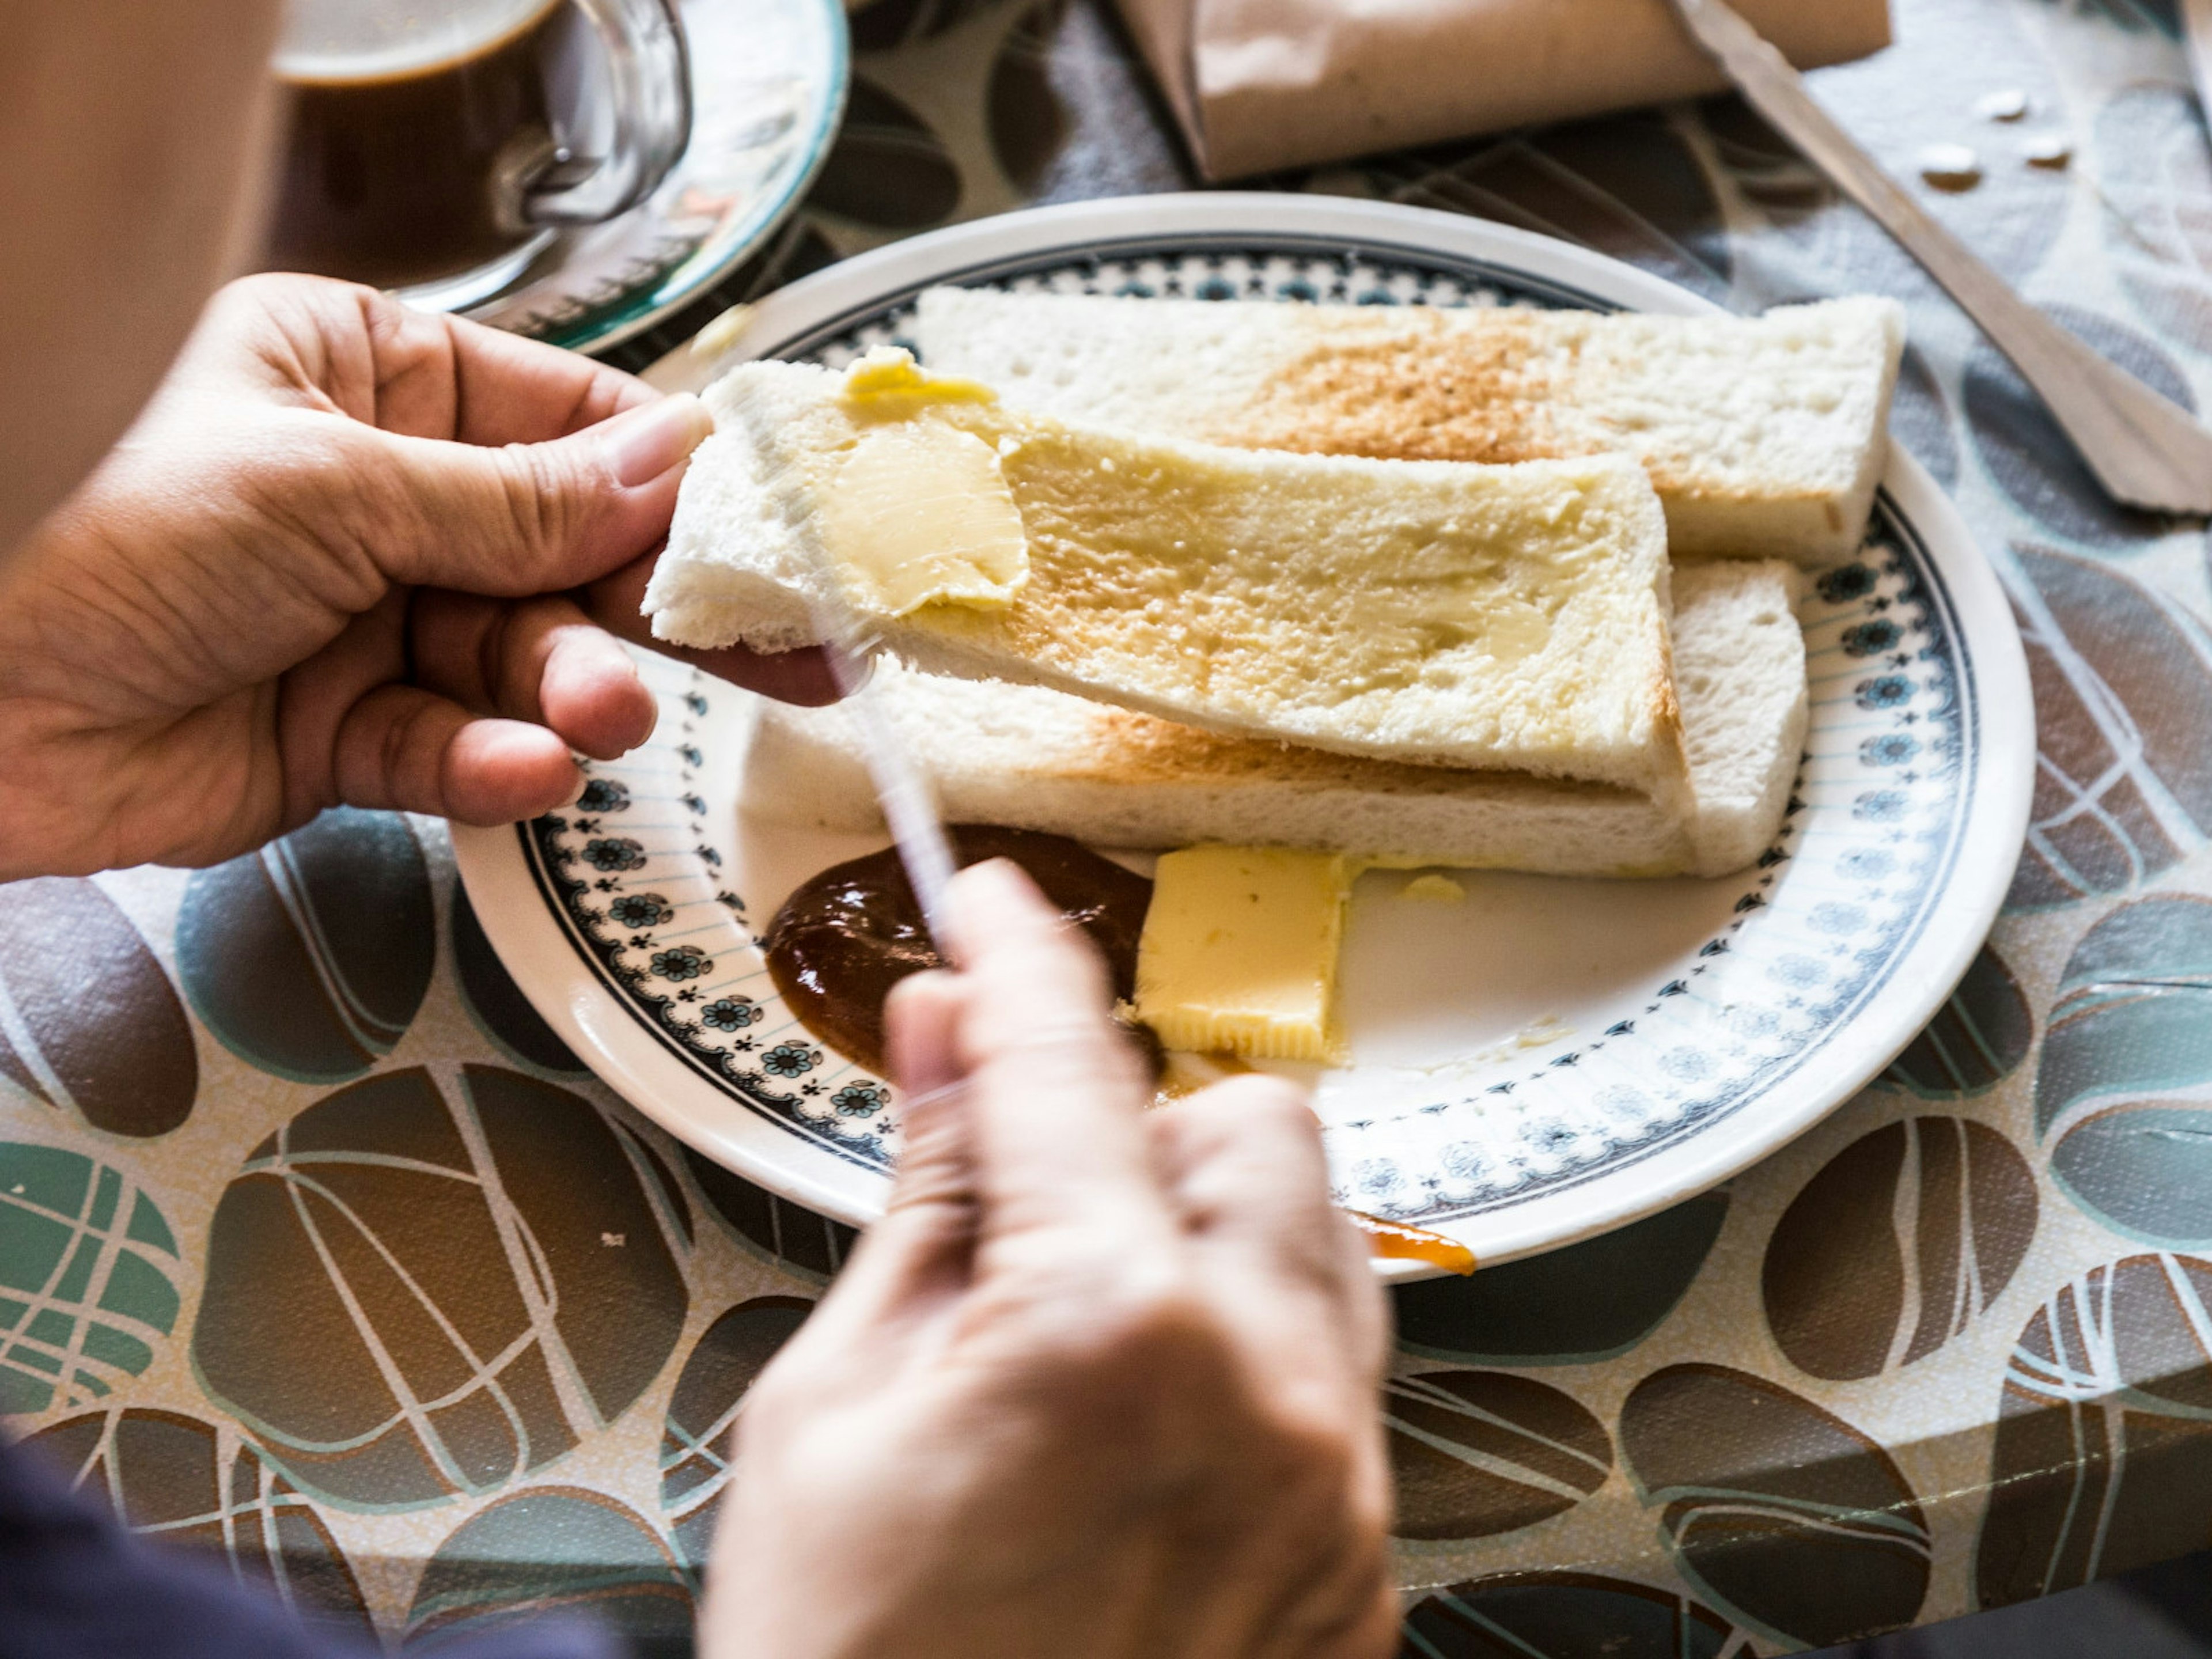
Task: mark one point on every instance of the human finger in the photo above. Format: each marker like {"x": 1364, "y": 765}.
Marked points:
{"x": 616, "y": 602}
{"x": 919, "y": 1256}
{"x": 1244, "y": 1163}
{"x": 1055, "y": 1092}
{"x": 532, "y": 659}
{"x": 508, "y": 389}
{"x": 405, "y": 749}
{"x": 521, "y": 520}
{"x": 314, "y": 699}
{"x": 349, "y": 349}
{"x": 921, "y": 1021}
{"x": 1247, "y": 1174}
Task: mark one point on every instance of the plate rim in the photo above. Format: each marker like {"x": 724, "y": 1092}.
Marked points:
{"x": 523, "y": 930}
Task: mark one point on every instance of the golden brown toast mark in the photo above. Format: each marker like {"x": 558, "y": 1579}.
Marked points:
{"x": 1418, "y": 390}
{"x": 1135, "y": 749}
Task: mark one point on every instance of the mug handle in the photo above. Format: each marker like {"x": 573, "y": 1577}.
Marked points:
{"x": 649, "y": 70}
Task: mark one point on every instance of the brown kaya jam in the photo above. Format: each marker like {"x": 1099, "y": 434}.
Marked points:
{"x": 846, "y": 937}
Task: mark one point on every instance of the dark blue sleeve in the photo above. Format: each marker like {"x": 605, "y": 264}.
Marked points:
{"x": 74, "y": 1585}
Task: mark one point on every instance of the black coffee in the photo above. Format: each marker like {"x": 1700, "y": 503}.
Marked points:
{"x": 401, "y": 164}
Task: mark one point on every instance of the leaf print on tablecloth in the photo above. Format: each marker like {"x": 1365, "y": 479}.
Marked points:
{"x": 2123, "y": 683}
{"x": 415, "y": 1292}
{"x": 309, "y": 957}
{"x": 1588, "y": 1303}
{"x": 1114, "y": 136}
{"x": 695, "y": 1441}
{"x": 1627, "y": 186}
{"x": 2137, "y": 16}
{"x": 197, "y": 1486}
{"x": 1779, "y": 1514}
{"x": 1899, "y": 1243}
{"x": 1475, "y": 1453}
{"x": 878, "y": 25}
{"x": 88, "y": 1022}
{"x": 2103, "y": 1455}
{"x": 1023, "y": 112}
{"x": 2030, "y": 459}
{"x": 1920, "y": 418}
{"x": 1984, "y": 1029}
{"x": 811, "y": 1245}
{"x": 887, "y": 169}
{"x": 1894, "y": 103}
{"x": 2155, "y": 206}
{"x": 500, "y": 1010}
{"x": 89, "y": 1272}
{"x": 2124, "y": 1091}
{"x": 1767, "y": 167}
{"x": 1565, "y": 1616}
{"x": 554, "y": 1550}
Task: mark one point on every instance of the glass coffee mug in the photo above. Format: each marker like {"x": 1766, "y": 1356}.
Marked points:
{"x": 436, "y": 146}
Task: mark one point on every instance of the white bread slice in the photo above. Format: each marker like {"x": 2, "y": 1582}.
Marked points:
{"x": 1739, "y": 671}
{"x": 1433, "y": 613}
{"x": 1039, "y": 760}
{"x": 1763, "y": 436}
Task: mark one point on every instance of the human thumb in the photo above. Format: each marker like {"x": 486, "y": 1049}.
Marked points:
{"x": 528, "y": 518}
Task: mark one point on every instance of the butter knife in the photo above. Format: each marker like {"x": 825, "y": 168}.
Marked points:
{"x": 2144, "y": 450}
{"x": 909, "y": 804}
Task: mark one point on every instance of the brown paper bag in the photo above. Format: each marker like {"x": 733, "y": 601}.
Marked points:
{"x": 1260, "y": 84}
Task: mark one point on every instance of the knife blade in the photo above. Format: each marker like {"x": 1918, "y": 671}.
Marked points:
{"x": 2144, "y": 450}
{"x": 903, "y": 790}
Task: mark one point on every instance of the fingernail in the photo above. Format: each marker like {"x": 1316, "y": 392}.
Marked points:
{"x": 646, "y": 442}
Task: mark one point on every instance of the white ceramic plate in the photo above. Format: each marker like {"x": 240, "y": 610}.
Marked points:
{"x": 1550, "y": 1060}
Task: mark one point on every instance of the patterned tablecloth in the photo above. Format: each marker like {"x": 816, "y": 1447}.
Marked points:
{"x": 317, "y": 1249}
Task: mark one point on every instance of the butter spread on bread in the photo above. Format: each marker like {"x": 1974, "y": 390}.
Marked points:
{"x": 1432, "y": 613}
{"x": 919, "y": 514}
{"x": 918, "y": 511}
{"x": 1016, "y": 755}
{"x": 1763, "y": 436}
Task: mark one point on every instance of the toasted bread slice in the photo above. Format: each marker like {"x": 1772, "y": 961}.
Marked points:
{"x": 1039, "y": 760}
{"x": 1739, "y": 671}
{"x": 1429, "y": 612}
{"x": 1763, "y": 436}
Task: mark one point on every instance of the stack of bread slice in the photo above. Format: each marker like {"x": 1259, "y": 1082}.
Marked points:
{"x": 1391, "y": 581}
{"x": 1762, "y": 436}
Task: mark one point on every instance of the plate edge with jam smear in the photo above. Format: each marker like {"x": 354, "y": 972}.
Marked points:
{"x": 633, "y": 920}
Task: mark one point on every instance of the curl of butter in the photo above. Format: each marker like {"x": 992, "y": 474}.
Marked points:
{"x": 885, "y": 380}
{"x": 1433, "y": 889}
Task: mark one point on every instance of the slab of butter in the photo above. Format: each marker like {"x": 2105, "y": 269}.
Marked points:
{"x": 1239, "y": 951}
